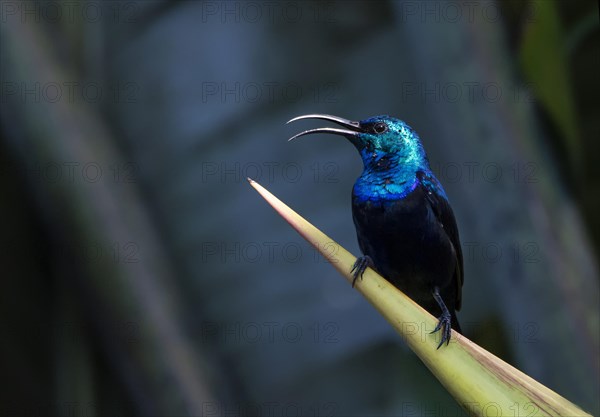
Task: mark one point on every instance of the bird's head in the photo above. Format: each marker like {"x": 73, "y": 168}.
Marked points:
{"x": 384, "y": 143}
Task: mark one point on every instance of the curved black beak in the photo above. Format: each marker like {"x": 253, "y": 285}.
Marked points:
{"x": 352, "y": 128}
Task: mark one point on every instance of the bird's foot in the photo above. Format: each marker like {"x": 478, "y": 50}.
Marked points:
{"x": 444, "y": 324}
{"x": 359, "y": 267}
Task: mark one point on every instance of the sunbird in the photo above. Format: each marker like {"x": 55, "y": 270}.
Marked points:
{"x": 404, "y": 223}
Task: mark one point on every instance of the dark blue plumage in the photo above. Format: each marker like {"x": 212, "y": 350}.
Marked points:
{"x": 404, "y": 223}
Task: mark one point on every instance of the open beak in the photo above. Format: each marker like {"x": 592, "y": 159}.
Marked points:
{"x": 352, "y": 129}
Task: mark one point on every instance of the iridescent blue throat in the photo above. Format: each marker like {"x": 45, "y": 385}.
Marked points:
{"x": 392, "y": 176}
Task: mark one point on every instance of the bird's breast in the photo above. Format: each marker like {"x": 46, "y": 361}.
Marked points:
{"x": 404, "y": 239}
{"x": 379, "y": 187}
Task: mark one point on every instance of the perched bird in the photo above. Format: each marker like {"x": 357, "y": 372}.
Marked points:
{"x": 405, "y": 226}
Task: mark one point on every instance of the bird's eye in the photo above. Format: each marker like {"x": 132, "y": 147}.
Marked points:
{"x": 380, "y": 127}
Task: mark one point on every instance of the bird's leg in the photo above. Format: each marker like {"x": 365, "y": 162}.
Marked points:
{"x": 359, "y": 267}
{"x": 444, "y": 319}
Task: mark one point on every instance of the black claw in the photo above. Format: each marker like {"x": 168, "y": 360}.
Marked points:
{"x": 444, "y": 321}
{"x": 444, "y": 324}
{"x": 360, "y": 266}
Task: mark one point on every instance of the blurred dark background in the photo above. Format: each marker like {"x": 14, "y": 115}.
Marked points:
{"x": 141, "y": 275}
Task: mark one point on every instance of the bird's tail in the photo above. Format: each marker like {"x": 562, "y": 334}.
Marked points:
{"x": 454, "y": 321}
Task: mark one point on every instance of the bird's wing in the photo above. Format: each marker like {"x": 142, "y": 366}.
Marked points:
{"x": 444, "y": 214}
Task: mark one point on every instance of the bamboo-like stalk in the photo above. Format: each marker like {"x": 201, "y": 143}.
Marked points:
{"x": 479, "y": 381}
